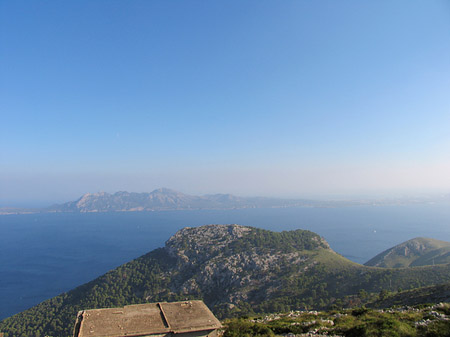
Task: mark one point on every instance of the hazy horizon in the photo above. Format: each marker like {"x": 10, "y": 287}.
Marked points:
{"x": 395, "y": 195}
{"x": 284, "y": 99}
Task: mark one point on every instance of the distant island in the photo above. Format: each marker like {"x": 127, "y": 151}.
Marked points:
{"x": 164, "y": 199}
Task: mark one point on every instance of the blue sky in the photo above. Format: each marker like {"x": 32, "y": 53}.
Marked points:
{"x": 275, "y": 98}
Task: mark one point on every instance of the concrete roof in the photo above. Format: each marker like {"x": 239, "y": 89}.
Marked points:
{"x": 146, "y": 319}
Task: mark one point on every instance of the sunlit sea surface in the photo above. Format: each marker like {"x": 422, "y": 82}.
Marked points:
{"x": 43, "y": 255}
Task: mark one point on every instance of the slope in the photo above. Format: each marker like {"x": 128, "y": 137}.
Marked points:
{"x": 412, "y": 253}
{"x": 432, "y": 294}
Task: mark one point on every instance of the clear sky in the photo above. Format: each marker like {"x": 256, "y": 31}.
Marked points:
{"x": 275, "y": 98}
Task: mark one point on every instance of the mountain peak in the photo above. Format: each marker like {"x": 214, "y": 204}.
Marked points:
{"x": 164, "y": 190}
{"x": 87, "y": 198}
{"x": 209, "y": 238}
{"x": 192, "y": 245}
{"x": 419, "y": 251}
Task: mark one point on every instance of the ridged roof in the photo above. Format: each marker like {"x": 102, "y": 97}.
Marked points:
{"x": 146, "y": 319}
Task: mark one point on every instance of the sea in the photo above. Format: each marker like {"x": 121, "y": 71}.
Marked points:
{"x": 43, "y": 255}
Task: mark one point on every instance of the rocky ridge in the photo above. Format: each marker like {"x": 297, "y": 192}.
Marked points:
{"x": 166, "y": 199}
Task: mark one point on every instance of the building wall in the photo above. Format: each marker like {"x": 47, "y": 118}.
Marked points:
{"x": 208, "y": 333}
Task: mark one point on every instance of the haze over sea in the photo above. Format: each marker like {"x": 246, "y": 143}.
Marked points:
{"x": 43, "y": 255}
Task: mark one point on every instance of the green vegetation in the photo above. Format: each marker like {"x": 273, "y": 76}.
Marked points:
{"x": 397, "y": 322}
{"x": 284, "y": 242}
{"x": 256, "y": 273}
{"x": 244, "y": 328}
{"x": 432, "y": 294}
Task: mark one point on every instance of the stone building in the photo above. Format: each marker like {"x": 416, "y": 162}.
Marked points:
{"x": 180, "y": 319}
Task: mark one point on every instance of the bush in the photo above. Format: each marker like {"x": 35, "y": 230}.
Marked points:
{"x": 359, "y": 311}
{"x": 241, "y": 328}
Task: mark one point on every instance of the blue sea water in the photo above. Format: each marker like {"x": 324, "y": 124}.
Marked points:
{"x": 43, "y": 255}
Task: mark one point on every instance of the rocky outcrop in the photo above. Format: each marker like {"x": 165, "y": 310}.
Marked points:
{"x": 237, "y": 260}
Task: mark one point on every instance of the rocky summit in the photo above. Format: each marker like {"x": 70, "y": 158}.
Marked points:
{"x": 231, "y": 263}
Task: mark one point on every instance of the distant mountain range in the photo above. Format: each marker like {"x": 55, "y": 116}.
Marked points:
{"x": 236, "y": 270}
{"x": 167, "y": 199}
